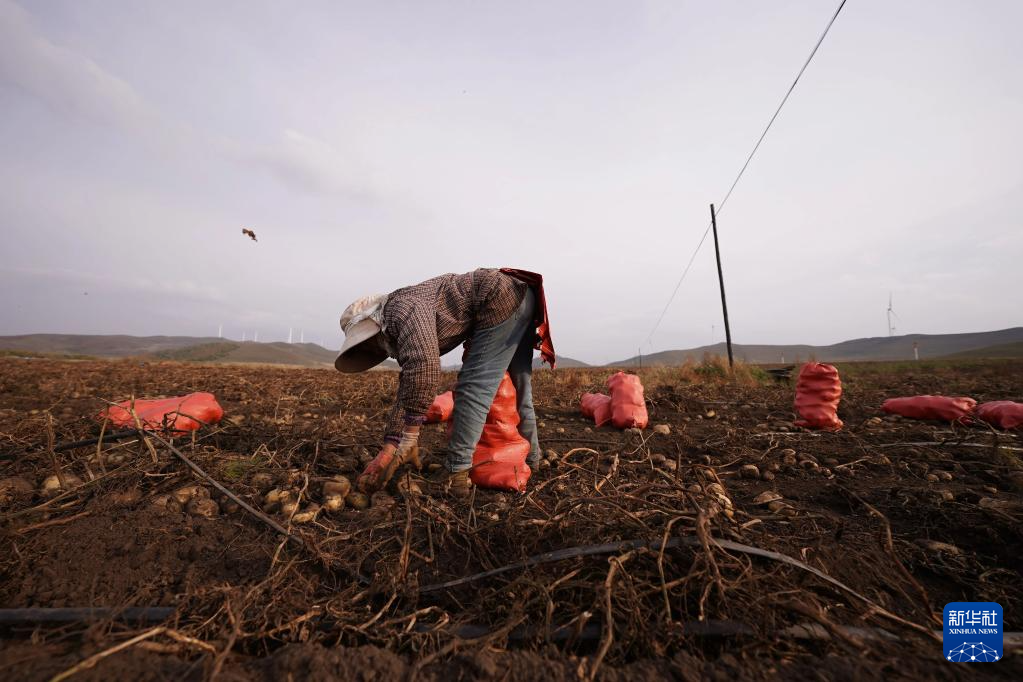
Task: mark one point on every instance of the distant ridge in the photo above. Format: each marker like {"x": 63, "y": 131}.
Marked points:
{"x": 182, "y": 348}
{"x": 115, "y": 345}
{"x": 1003, "y": 350}
{"x": 875, "y": 348}
{"x": 1004, "y": 343}
{"x": 563, "y": 362}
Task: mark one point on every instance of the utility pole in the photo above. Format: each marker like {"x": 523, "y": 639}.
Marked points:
{"x": 721, "y": 281}
{"x": 640, "y": 349}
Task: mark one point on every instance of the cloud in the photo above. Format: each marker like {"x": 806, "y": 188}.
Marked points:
{"x": 65, "y": 80}
{"x": 184, "y": 289}
{"x": 72, "y": 84}
{"x": 304, "y": 163}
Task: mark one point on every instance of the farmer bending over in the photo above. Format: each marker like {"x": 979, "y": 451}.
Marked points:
{"x": 500, "y": 315}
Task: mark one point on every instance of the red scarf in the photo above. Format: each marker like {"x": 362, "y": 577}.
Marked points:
{"x": 543, "y": 326}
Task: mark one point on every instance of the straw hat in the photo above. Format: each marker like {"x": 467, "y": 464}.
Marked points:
{"x": 361, "y": 324}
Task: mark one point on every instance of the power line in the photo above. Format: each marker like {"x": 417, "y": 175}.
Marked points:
{"x": 678, "y": 284}
{"x": 742, "y": 170}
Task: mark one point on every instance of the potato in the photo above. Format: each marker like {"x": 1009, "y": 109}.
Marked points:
{"x": 357, "y": 500}
{"x": 337, "y": 485}
{"x": 52, "y": 486}
{"x": 749, "y": 471}
{"x": 277, "y": 496}
{"x": 307, "y": 515}
{"x": 202, "y": 506}
{"x": 333, "y": 503}
{"x": 126, "y": 498}
{"x": 186, "y": 493}
{"x": 767, "y": 497}
{"x": 166, "y": 503}
{"x": 288, "y": 508}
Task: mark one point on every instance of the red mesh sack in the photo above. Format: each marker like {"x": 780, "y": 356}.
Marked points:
{"x": 818, "y": 392}
{"x": 937, "y": 407}
{"x": 441, "y": 409}
{"x": 597, "y": 406}
{"x": 180, "y": 414}
{"x": 500, "y": 458}
{"x": 628, "y": 409}
{"x": 1004, "y": 414}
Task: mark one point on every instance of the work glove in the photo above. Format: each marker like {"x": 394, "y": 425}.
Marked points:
{"x": 378, "y": 472}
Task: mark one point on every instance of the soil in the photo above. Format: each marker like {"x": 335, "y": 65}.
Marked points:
{"x": 899, "y": 512}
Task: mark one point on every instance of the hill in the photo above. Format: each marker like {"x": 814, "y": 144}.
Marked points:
{"x": 1004, "y": 350}
{"x": 995, "y": 344}
{"x": 277, "y": 353}
{"x": 973, "y": 344}
{"x": 113, "y": 346}
{"x": 182, "y": 348}
{"x": 564, "y": 362}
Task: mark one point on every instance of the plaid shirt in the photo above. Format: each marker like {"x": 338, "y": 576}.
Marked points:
{"x": 427, "y": 320}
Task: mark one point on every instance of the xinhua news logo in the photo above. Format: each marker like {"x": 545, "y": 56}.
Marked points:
{"x": 973, "y": 632}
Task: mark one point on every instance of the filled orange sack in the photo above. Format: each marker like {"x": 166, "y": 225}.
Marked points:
{"x": 628, "y": 409}
{"x": 500, "y": 458}
{"x": 597, "y": 406}
{"x": 180, "y": 414}
{"x": 1004, "y": 414}
{"x": 937, "y": 407}
{"x": 441, "y": 409}
{"x": 818, "y": 392}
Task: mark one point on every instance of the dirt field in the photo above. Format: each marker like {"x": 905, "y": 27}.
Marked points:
{"x": 869, "y": 533}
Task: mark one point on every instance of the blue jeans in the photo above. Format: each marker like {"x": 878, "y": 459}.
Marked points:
{"x": 505, "y": 347}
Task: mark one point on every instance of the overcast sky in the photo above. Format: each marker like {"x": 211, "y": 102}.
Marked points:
{"x": 372, "y": 145}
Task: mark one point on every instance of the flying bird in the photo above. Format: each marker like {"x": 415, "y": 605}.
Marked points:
{"x": 249, "y": 233}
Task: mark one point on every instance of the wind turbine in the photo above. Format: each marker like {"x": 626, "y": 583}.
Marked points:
{"x": 891, "y": 312}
